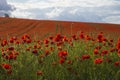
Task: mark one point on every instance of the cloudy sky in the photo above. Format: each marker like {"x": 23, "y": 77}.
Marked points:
{"x": 107, "y": 11}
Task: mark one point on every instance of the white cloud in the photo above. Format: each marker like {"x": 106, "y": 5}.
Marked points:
{"x": 54, "y": 13}
{"x": 112, "y": 19}
{"x": 23, "y": 14}
{"x": 73, "y": 10}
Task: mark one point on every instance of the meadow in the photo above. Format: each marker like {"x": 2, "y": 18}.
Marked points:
{"x": 93, "y": 55}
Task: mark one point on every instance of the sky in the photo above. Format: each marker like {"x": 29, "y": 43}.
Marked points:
{"x": 103, "y": 11}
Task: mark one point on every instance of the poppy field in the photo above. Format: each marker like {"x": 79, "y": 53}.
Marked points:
{"x": 84, "y": 55}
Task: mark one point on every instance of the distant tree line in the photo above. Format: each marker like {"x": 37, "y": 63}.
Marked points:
{"x": 6, "y": 15}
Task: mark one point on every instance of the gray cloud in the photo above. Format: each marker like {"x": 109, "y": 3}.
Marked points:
{"x": 5, "y": 7}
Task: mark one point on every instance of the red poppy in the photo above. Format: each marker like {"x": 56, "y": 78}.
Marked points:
{"x": 4, "y": 43}
{"x": 6, "y": 66}
{"x": 9, "y": 72}
{"x": 28, "y": 49}
{"x": 100, "y": 37}
{"x": 28, "y": 41}
{"x": 39, "y": 72}
{"x": 98, "y": 47}
{"x": 11, "y": 40}
{"x": 104, "y": 52}
{"x": 118, "y": 44}
{"x": 96, "y": 51}
{"x": 58, "y": 38}
{"x": 85, "y": 56}
{"x": 46, "y": 41}
{"x": 61, "y": 61}
{"x": 35, "y": 52}
{"x": 69, "y": 62}
{"x": 62, "y": 54}
{"x": 81, "y": 35}
{"x": 11, "y": 48}
{"x": 47, "y": 52}
{"x": 112, "y": 49}
{"x": 111, "y": 40}
{"x": 119, "y": 52}
{"x": 117, "y": 63}
{"x": 98, "y": 60}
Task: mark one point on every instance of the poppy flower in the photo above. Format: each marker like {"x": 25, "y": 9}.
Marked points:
{"x": 105, "y": 52}
{"x": 96, "y": 51}
{"x": 119, "y": 52}
{"x": 6, "y": 66}
{"x": 9, "y": 72}
{"x": 61, "y": 61}
{"x": 85, "y": 56}
{"x": 117, "y": 63}
{"x": 46, "y": 41}
{"x": 47, "y": 52}
{"x": 39, "y": 72}
{"x": 28, "y": 41}
{"x": 35, "y": 52}
{"x": 11, "y": 48}
{"x": 81, "y": 35}
{"x": 58, "y": 38}
{"x": 112, "y": 49}
{"x": 69, "y": 62}
{"x": 100, "y": 37}
{"x": 11, "y": 41}
{"x": 98, "y": 60}
{"x": 118, "y": 44}
{"x": 62, "y": 54}
{"x": 4, "y": 43}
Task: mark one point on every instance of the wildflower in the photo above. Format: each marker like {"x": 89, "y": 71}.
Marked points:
{"x": 112, "y": 49}
{"x": 85, "y": 56}
{"x": 87, "y": 37}
{"x": 104, "y": 52}
{"x": 119, "y": 52}
{"x": 9, "y": 72}
{"x": 100, "y": 37}
{"x": 81, "y": 35}
{"x": 11, "y": 40}
{"x": 96, "y": 51}
{"x": 58, "y": 38}
{"x": 4, "y": 43}
{"x": 11, "y": 48}
{"x": 117, "y": 63}
{"x": 35, "y": 52}
{"x": 51, "y": 37}
{"x": 28, "y": 41}
{"x": 111, "y": 40}
{"x": 46, "y": 41}
{"x": 47, "y": 52}
{"x": 39, "y": 72}
{"x": 118, "y": 44}
{"x": 98, "y": 47}
{"x": 6, "y": 66}
{"x": 98, "y": 60}
{"x": 61, "y": 61}
{"x": 28, "y": 49}
{"x": 62, "y": 54}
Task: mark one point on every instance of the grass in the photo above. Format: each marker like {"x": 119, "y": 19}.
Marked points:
{"x": 59, "y": 57}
